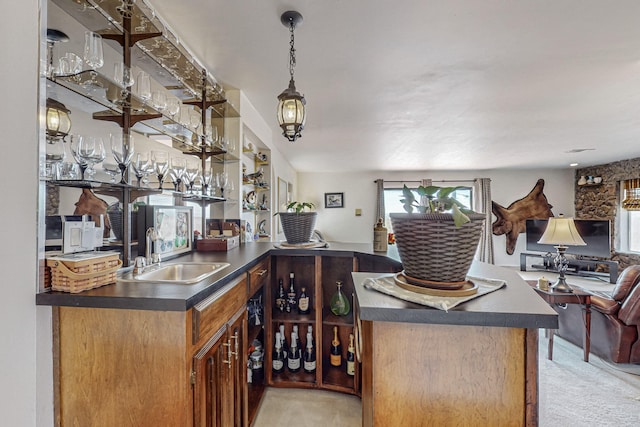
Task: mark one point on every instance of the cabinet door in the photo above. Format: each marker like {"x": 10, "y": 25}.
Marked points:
{"x": 211, "y": 381}
{"x": 237, "y": 391}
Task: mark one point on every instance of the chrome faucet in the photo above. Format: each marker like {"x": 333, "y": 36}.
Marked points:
{"x": 150, "y": 256}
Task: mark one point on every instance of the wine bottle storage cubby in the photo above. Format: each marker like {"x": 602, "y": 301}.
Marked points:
{"x": 318, "y": 274}
{"x": 336, "y": 377}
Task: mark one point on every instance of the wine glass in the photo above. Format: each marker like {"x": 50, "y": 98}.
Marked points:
{"x": 173, "y": 106}
{"x": 82, "y": 150}
{"x": 143, "y": 86}
{"x": 93, "y": 50}
{"x": 122, "y": 75}
{"x": 111, "y": 169}
{"x": 159, "y": 100}
{"x": 122, "y": 150}
{"x": 99, "y": 154}
{"x": 191, "y": 173}
{"x": 223, "y": 181}
{"x": 141, "y": 166}
{"x": 177, "y": 169}
{"x": 160, "y": 160}
{"x": 206, "y": 181}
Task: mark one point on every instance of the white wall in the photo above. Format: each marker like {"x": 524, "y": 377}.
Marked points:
{"x": 21, "y": 323}
{"x": 359, "y": 191}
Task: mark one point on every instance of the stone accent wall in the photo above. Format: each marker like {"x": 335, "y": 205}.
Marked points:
{"x": 53, "y": 199}
{"x": 603, "y": 201}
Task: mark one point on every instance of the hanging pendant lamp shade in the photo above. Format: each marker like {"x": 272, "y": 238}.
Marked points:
{"x": 291, "y": 104}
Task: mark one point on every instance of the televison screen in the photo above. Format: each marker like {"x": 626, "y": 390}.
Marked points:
{"x": 595, "y": 233}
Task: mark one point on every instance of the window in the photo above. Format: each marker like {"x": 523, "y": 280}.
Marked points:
{"x": 629, "y": 223}
{"x": 392, "y": 204}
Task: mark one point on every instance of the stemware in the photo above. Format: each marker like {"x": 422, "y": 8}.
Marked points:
{"x": 177, "y": 169}
{"x": 82, "y": 150}
{"x": 173, "y": 106}
{"x": 206, "y": 181}
{"x": 141, "y": 166}
{"x": 97, "y": 156}
{"x": 160, "y": 160}
{"x": 143, "y": 86}
{"x": 223, "y": 181}
{"x": 93, "y": 50}
{"x": 159, "y": 100}
{"x": 191, "y": 173}
{"x": 111, "y": 169}
{"x": 122, "y": 75}
{"x": 122, "y": 150}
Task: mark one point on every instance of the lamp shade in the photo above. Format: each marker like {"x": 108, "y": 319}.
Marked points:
{"x": 561, "y": 231}
{"x": 58, "y": 120}
{"x": 291, "y": 112}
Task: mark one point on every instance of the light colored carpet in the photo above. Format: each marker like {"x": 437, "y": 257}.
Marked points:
{"x": 577, "y": 393}
{"x": 571, "y": 393}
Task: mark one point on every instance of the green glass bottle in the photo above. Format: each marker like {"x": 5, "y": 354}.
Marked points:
{"x": 339, "y": 302}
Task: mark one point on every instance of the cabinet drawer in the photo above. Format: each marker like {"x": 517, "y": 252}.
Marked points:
{"x": 258, "y": 275}
{"x": 212, "y": 313}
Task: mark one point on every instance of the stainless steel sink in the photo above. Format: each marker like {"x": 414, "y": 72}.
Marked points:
{"x": 184, "y": 273}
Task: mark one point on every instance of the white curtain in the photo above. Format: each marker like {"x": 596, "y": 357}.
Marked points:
{"x": 482, "y": 203}
{"x": 380, "y": 212}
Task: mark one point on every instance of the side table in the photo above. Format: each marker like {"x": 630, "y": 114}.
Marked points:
{"x": 578, "y": 296}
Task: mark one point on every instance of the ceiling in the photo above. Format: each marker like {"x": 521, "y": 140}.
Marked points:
{"x": 431, "y": 84}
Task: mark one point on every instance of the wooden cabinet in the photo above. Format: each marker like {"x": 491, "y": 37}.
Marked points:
{"x": 318, "y": 275}
{"x": 258, "y": 280}
{"x": 119, "y": 367}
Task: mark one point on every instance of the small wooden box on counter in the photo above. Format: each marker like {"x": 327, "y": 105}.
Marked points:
{"x": 218, "y": 244}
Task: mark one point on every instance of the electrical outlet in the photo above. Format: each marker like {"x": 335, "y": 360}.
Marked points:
{"x": 358, "y": 212}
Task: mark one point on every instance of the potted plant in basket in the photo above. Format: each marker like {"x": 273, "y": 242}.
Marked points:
{"x": 298, "y": 224}
{"x": 439, "y": 241}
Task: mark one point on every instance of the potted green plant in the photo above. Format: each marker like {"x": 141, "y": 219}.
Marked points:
{"x": 437, "y": 243}
{"x": 298, "y": 222}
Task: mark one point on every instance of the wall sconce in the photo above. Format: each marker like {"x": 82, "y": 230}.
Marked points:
{"x": 58, "y": 121}
{"x": 291, "y": 105}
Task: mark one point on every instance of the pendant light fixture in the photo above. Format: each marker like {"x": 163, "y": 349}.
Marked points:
{"x": 291, "y": 105}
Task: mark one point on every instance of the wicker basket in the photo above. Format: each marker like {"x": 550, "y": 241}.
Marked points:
{"x": 432, "y": 248}
{"x": 298, "y": 227}
{"x": 71, "y": 275}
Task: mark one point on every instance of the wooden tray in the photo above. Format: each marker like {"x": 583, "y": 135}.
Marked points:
{"x": 433, "y": 285}
{"x": 467, "y": 289}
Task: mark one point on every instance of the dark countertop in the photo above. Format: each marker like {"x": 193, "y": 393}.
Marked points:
{"x": 175, "y": 297}
{"x": 516, "y": 306}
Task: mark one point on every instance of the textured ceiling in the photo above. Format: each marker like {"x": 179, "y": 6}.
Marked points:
{"x": 431, "y": 84}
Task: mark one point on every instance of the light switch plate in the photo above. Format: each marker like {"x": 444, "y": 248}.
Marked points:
{"x": 358, "y": 212}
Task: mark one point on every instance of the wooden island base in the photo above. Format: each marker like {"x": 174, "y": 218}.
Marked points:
{"x": 435, "y": 375}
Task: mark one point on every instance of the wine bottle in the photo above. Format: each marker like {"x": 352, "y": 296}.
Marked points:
{"x": 351, "y": 357}
{"x": 339, "y": 303}
{"x": 280, "y": 298}
{"x": 303, "y": 302}
{"x": 336, "y": 349}
{"x": 295, "y": 355}
{"x": 310, "y": 333}
{"x": 309, "y": 364}
{"x": 295, "y": 330}
{"x": 278, "y": 356}
{"x": 292, "y": 297}
{"x": 283, "y": 342}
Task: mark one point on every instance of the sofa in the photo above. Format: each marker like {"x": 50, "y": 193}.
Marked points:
{"x": 615, "y": 320}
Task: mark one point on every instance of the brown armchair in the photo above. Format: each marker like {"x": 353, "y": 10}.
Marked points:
{"x": 615, "y": 320}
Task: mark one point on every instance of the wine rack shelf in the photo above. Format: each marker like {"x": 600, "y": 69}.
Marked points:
{"x": 318, "y": 274}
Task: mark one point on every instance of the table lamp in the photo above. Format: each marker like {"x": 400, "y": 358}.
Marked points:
{"x": 561, "y": 232}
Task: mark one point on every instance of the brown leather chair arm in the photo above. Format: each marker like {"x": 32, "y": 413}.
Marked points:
{"x": 604, "y": 305}
{"x": 630, "y": 310}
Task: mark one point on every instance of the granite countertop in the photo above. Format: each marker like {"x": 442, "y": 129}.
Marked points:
{"x": 176, "y": 297}
{"x": 516, "y": 305}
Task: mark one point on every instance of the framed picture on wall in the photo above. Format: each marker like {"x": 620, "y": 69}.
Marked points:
{"x": 334, "y": 200}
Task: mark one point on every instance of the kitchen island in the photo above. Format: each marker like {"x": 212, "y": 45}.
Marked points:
{"x": 473, "y": 365}
{"x": 167, "y": 354}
